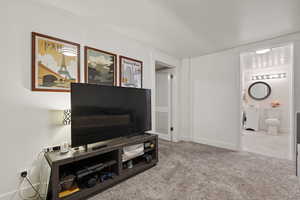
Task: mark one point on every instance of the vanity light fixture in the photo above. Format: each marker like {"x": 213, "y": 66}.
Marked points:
{"x": 269, "y": 76}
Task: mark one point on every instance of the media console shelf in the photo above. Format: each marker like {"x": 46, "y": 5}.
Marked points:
{"x": 82, "y": 166}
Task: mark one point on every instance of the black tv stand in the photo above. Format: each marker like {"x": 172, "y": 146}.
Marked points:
{"x": 99, "y": 147}
{"x": 134, "y": 135}
{"x": 107, "y": 159}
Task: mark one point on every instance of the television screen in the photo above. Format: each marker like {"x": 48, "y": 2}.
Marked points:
{"x": 105, "y": 112}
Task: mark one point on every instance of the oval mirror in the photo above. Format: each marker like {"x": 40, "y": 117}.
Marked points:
{"x": 259, "y": 90}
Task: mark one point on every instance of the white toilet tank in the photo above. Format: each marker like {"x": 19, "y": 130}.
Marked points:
{"x": 273, "y": 113}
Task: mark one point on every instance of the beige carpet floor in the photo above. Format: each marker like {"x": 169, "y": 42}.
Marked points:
{"x": 189, "y": 171}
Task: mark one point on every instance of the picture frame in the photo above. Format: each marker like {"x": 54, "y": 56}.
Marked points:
{"x": 100, "y": 67}
{"x": 55, "y": 63}
{"x": 131, "y": 72}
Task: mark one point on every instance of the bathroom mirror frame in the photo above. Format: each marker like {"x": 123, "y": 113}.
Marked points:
{"x": 262, "y": 98}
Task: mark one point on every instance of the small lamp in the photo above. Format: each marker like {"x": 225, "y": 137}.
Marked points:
{"x": 67, "y": 117}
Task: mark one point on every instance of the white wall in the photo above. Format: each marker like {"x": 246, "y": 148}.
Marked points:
{"x": 213, "y": 80}
{"x": 185, "y": 100}
{"x": 25, "y": 115}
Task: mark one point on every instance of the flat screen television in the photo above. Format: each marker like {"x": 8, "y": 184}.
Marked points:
{"x": 105, "y": 112}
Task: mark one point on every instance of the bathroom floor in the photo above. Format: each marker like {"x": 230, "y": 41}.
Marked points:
{"x": 261, "y": 143}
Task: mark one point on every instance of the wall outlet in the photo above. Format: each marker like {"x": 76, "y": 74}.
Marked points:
{"x": 46, "y": 149}
{"x": 51, "y": 149}
{"x": 24, "y": 174}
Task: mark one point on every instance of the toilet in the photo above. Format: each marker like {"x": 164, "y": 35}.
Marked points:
{"x": 273, "y": 121}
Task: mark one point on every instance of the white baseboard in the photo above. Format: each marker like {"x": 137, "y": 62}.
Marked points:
{"x": 281, "y": 130}
{"x": 164, "y": 137}
{"x": 211, "y": 143}
{"x": 184, "y": 138}
{"x": 215, "y": 143}
{"x": 14, "y": 195}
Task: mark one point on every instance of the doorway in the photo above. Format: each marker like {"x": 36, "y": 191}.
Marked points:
{"x": 164, "y": 104}
{"x": 267, "y": 99}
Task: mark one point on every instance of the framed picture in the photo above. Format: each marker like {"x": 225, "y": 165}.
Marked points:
{"x": 131, "y": 72}
{"x": 99, "y": 66}
{"x": 55, "y": 63}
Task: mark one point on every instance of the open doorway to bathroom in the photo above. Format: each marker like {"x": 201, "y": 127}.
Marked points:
{"x": 267, "y": 102}
{"x": 164, "y": 104}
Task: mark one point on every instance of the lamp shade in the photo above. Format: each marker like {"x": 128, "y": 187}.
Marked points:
{"x": 67, "y": 117}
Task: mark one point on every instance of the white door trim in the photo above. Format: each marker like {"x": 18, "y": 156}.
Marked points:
{"x": 175, "y": 64}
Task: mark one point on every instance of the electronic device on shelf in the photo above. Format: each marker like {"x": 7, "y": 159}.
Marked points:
{"x": 101, "y": 113}
{"x": 91, "y": 181}
{"x": 148, "y": 158}
{"x": 132, "y": 151}
{"x": 106, "y": 175}
{"x": 89, "y": 170}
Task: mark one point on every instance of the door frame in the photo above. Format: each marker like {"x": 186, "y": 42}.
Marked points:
{"x": 174, "y": 64}
{"x": 292, "y": 112}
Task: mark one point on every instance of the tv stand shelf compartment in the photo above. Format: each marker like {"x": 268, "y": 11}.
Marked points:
{"x": 108, "y": 159}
